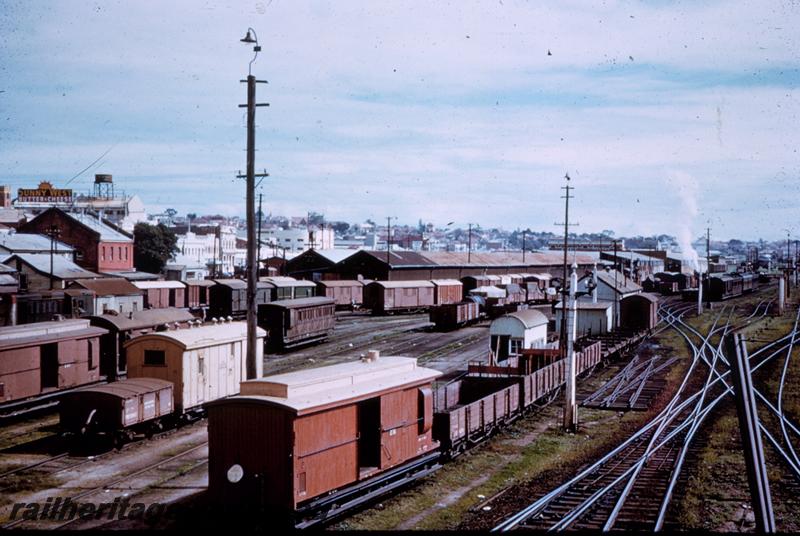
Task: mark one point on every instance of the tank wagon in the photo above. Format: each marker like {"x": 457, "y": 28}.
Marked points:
{"x": 310, "y": 445}
{"x": 291, "y": 323}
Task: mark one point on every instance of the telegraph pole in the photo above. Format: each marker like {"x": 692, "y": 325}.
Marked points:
{"x": 523, "y": 247}
{"x": 388, "y": 241}
{"x": 53, "y": 231}
{"x": 563, "y": 331}
{"x": 616, "y": 285}
{"x": 252, "y": 265}
{"x": 469, "y": 244}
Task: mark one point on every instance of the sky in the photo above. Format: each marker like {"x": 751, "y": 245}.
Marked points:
{"x": 669, "y": 117}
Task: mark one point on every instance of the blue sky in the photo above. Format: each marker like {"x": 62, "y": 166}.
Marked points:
{"x": 669, "y": 116}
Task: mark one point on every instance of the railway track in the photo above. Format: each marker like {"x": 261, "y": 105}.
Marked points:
{"x": 631, "y": 487}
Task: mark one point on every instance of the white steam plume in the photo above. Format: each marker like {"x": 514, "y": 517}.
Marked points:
{"x": 686, "y": 189}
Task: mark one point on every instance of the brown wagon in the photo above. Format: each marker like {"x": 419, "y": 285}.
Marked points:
{"x": 398, "y": 296}
{"x": 120, "y": 409}
{"x": 305, "y": 438}
{"x": 346, "y": 293}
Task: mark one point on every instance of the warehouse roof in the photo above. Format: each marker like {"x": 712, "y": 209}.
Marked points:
{"x": 314, "y": 389}
{"x": 109, "y": 286}
{"x": 201, "y": 337}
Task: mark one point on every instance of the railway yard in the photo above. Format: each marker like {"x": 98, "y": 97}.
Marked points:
{"x": 658, "y": 444}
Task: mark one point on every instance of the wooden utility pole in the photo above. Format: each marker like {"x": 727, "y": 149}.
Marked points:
{"x": 563, "y": 331}
{"x": 53, "y": 231}
{"x": 250, "y": 177}
{"x": 469, "y": 244}
{"x": 523, "y": 247}
{"x": 388, "y": 242}
{"x": 708, "y": 267}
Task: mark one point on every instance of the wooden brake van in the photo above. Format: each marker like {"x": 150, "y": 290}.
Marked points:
{"x": 291, "y": 438}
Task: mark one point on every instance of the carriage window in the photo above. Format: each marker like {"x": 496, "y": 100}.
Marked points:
{"x": 155, "y": 357}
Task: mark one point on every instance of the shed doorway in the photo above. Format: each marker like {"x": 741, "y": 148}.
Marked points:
{"x": 49, "y": 365}
{"x": 369, "y": 435}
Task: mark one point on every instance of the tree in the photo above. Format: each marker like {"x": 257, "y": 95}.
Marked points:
{"x": 153, "y": 246}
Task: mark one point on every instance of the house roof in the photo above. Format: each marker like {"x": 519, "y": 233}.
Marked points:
{"x": 200, "y": 337}
{"x": 62, "y": 268}
{"x": 109, "y": 286}
{"x": 306, "y": 390}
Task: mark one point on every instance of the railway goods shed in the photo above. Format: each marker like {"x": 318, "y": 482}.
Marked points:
{"x": 203, "y": 363}
{"x": 47, "y": 357}
{"x": 512, "y": 333}
{"x": 290, "y": 438}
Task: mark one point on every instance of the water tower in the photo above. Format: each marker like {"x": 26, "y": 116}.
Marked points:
{"x": 103, "y": 186}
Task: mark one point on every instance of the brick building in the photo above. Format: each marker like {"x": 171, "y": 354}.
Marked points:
{"x": 99, "y": 245}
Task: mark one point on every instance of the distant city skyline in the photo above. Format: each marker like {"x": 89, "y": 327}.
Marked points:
{"x": 669, "y": 117}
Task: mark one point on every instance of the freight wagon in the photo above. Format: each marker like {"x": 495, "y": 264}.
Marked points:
{"x": 198, "y": 294}
{"x": 118, "y": 410}
{"x": 723, "y": 287}
{"x": 319, "y": 438}
{"x": 203, "y": 363}
{"x": 40, "y": 361}
{"x": 398, "y": 296}
{"x": 171, "y": 374}
{"x": 290, "y": 323}
{"x": 447, "y": 291}
{"x": 122, "y": 328}
{"x": 455, "y": 315}
{"x": 309, "y": 445}
{"x": 347, "y": 294}
{"x": 160, "y": 294}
